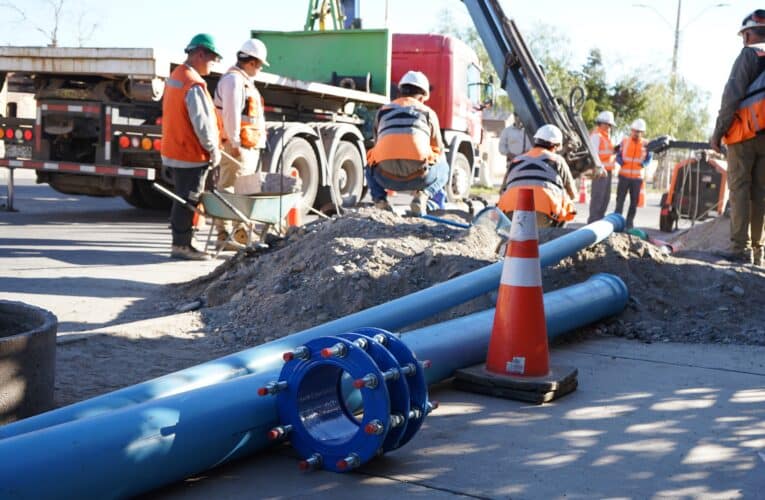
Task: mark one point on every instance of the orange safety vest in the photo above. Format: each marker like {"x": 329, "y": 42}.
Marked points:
{"x": 749, "y": 120}
{"x": 252, "y": 129}
{"x": 605, "y": 148}
{"x": 179, "y": 141}
{"x": 633, "y": 156}
{"x": 404, "y": 133}
{"x": 539, "y": 170}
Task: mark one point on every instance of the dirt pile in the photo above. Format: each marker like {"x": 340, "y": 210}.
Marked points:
{"x": 339, "y": 266}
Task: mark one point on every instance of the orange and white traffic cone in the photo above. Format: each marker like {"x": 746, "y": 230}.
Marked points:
{"x": 582, "y": 190}
{"x": 518, "y": 344}
{"x": 518, "y": 362}
{"x": 641, "y": 197}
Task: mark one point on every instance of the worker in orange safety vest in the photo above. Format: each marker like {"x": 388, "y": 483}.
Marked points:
{"x": 741, "y": 125}
{"x": 240, "y": 107}
{"x": 633, "y": 157}
{"x": 408, "y": 154}
{"x": 601, "y": 141}
{"x": 190, "y": 138}
{"x": 547, "y": 174}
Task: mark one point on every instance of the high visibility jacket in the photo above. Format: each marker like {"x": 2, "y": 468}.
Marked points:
{"x": 749, "y": 119}
{"x": 404, "y": 132}
{"x": 633, "y": 155}
{"x": 252, "y": 120}
{"x": 540, "y": 170}
{"x": 602, "y": 140}
{"x": 179, "y": 141}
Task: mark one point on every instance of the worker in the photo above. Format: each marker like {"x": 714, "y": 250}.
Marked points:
{"x": 190, "y": 138}
{"x": 408, "y": 154}
{"x": 240, "y": 108}
{"x": 739, "y": 124}
{"x": 632, "y": 157}
{"x": 601, "y": 141}
{"x": 513, "y": 140}
{"x": 548, "y": 174}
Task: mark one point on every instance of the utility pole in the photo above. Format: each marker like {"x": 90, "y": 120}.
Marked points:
{"x": 673, "y": 77}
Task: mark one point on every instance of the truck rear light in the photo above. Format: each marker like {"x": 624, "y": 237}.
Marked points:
{"x": 27, "y": 135}
{"x": 146, "y": 144}
{"x": 135, "y": 142}
{"x": 9, "y": 133}
{"x": 157, "y": 144}
{"x": 158, "y": 121}
{"x": 19, "y": 134}
{"x": 124, "y": 142}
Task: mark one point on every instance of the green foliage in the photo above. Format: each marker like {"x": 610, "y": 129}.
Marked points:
{"x": 679, "y": 111}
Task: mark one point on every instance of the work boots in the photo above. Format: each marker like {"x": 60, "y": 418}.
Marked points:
{"x": 419, "y": 203}
{"x": 757, "y": 259}
{"x": 737, "y": 256}
{"x": 187, "y": 252}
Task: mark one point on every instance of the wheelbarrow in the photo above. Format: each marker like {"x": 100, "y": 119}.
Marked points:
{"x": 265, "y": 208}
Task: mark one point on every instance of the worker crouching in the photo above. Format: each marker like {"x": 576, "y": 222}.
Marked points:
{"x": 408, "y": 151}
{"x": 547, "y": 174}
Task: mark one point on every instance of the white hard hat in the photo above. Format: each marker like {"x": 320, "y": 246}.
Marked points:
{"x": 416, "y": 79}
{"x": 255, "y": 48}
{"x": 606, "y": 117}
{"x": 550, "y": 134}
{"x": 754, "y": 20}
{"x": 638, "y": 125}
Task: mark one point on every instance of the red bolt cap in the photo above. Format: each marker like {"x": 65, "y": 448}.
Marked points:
{"x": 263, "y": 391}
{"x": 288, "y": 356}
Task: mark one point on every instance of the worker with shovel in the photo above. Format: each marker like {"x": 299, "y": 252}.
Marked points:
{"x": 190, "y": 138}
{"x": 239, "y": 105}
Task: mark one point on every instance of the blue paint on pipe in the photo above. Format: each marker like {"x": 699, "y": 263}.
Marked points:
{"x": 392, "y": 315}
{"x": 144, "y": 446}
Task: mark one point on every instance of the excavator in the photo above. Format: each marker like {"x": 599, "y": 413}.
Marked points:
{"x": 521, "y": 77}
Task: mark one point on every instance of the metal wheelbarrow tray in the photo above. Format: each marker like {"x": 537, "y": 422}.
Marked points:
{"x": 268, "y": 208}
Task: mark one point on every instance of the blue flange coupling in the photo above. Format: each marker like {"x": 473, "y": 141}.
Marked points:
{"x": 345, "y": 399}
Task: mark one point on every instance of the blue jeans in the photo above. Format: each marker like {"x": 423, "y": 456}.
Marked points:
{"x": 433, "y": 182}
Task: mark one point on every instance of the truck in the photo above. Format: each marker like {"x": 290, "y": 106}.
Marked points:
{"x": 97, "y": 130}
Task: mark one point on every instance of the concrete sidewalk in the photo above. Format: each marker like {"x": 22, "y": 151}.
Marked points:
{"x": 648, "y": 421}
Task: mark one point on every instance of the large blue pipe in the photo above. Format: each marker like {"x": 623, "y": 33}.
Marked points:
{"x": 392, "y": 315}
{"x": 141, "y": 447}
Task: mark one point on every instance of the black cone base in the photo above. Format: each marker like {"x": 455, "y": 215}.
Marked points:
{"x": 560, "y": 381}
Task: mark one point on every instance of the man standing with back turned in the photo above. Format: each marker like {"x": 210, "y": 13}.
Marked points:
{"x": 740, "y": 125}
{"x": 190, "y": 137}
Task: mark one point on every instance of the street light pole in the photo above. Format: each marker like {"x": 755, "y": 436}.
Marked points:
{"x": 674, "y": 48}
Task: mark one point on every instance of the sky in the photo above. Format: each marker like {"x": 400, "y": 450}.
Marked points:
{"x": 632, "y": 36}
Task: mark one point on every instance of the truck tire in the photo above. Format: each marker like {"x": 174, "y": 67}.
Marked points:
{"x": 145, "y": 197}
{"x": 667, "y": 215}
{"x": 458, "y": 187}
{"x": 348, "y": 173}
{"x": 300, "y": 156}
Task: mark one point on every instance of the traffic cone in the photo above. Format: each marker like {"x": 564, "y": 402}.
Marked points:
{"x": 582, "y": 190}
{"x": 518, "y": 344}
{"x": 293, "y": 217}
{"x": 641, "y": 198}
{"x": 518, "y": 362}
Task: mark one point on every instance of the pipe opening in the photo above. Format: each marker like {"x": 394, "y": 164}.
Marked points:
{"x": 322, "y": 408}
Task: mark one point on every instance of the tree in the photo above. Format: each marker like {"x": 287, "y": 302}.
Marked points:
{"x": 58, "y": 11}
{"x": 681, "y": 113}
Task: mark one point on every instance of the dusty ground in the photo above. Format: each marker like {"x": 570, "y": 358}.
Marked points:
{"x": 336, "y": 267}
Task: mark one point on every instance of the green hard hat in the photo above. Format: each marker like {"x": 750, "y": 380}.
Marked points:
{"x": 203, "y": 40}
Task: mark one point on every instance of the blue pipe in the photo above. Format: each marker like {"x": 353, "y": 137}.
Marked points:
{"x": 144, "y": 446}
{"x": 448, "y": 222}
{"x": 392, "y": 315}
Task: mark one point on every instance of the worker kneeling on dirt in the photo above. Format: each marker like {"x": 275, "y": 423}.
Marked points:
{"x": 238, "y": 103}
{"x": 547, "y": 174}
{"x": 408, "y": 152}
